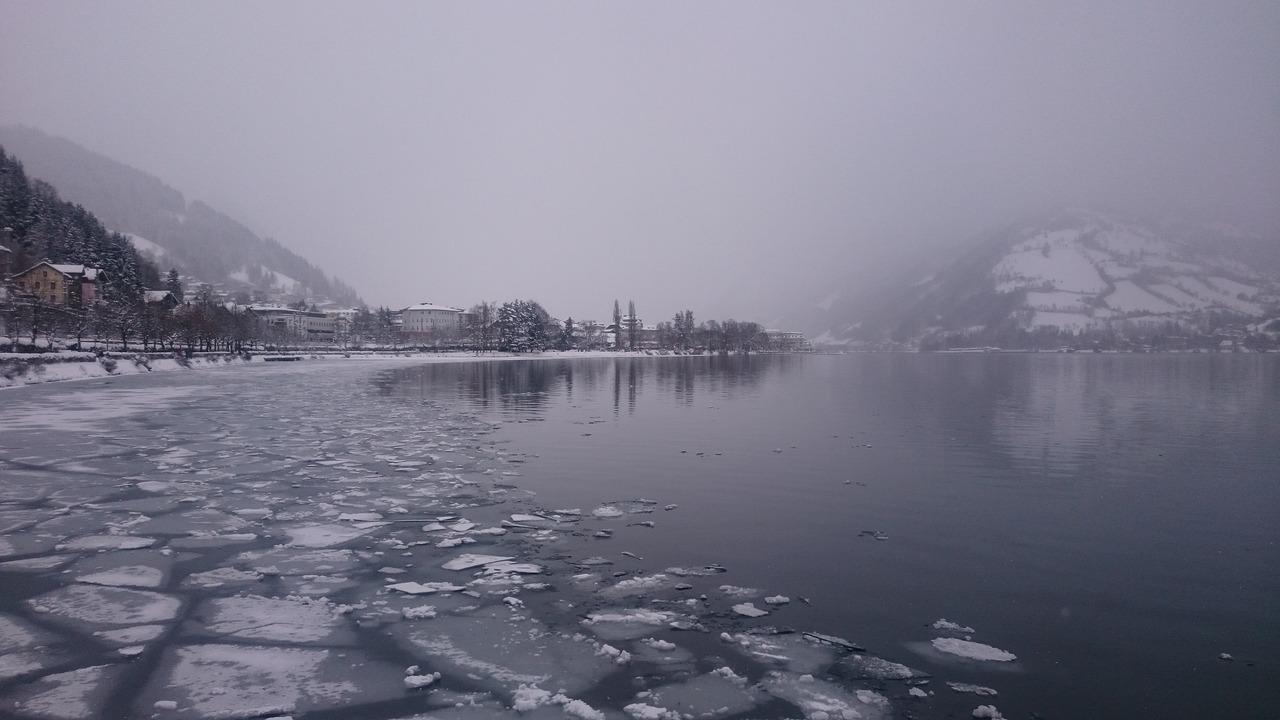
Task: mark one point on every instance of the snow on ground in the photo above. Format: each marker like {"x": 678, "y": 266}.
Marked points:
{"x": 146, "y": 247}
{"x": 1050, "y": 260}
{"x": 1128, "y": 297}
{"x": 1064, "y": 320}
{"x": 1058, "y": 300}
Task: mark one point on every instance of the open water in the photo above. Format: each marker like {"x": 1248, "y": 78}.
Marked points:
{"x": 1111, "y": 521}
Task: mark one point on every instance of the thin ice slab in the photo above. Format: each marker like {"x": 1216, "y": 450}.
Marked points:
{"x": 467, "y": 561}
{"x": 820, "y": 699}
{"x": 717, "y": 694}
{"x": 66, "y": 696}
{"x": 246, "y": 681}
{"x": 501, "y": 655}
{"x": 96, "y": 605}
{"x": 257, "y": 618}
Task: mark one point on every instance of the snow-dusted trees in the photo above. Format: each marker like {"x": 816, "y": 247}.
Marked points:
{"x": 522, "y": 326}
{"x": 479, "y": 326}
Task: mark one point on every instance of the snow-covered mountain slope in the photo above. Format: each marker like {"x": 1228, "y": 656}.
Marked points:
{"x": 1100, "y": 272}
{"x": 1075, "y": 272}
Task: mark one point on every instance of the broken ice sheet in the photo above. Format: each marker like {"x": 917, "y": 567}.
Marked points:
{"x": 129, "y": 568}
{"x": 467, "y": 561}
{"x": 870, "y": 667}
{"x": 972, "y": 650}
{"x": 718, "y": 693}
{"x": 322, "y": 535}
{"x": 749, "y": 610}
{"x": 132, "y": 635}
{"x": 818, "y": 698}
{"x": 106, "y": 605}
{"x": 287, "y": 561}
{"x": 240, "y": 681}
{"x": 628, "y": 623}
{"x": 220, "y": 577}
{"x": 107, "y": 542}
{"x": 488, "y": 648}
{"x": 789, "y": 651}
{"x": 274, "y": 620}
{"x": 416, "y": 588}
{"x": 192, "y": 522}
{"x": 639, "y": 585}
{"x": 66, "y": 696}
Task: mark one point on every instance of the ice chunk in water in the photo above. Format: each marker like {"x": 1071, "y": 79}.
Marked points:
{"x": 972, "y": 689}
{"x": 495, "y": 652}
{"x": 242, "y": 681}
{"x": 322, "y": 536}
{"x": 749, "y": 610}
{"x": 142, "y": 576}
{"x": 972, "y": 650}
{"x": 637, "y": 586}
{"x": 106, "y": 605}
{"x": 273, "y": 619}
{"x": 623, "y": 624}
{"x": 789, "y": 651}
{"x": 716, "y": 694}
{"x": 870, "y": 667}
{"x": 467, "y": 561}
{"x": 107, "y": 542}
{"x": 945, "y": 624}
{"x": 132, "y": 635}
{"x": 69, "y": 695}
{"x": 818, "y": 698}
{"x": 415, "y": 588}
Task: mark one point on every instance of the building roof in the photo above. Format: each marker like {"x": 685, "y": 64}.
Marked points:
{"x": 88, "y": 273}
{"x": 431, "y": 306}
{"x": 157, "y": 295}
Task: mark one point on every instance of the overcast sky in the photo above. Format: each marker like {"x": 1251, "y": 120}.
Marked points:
{"x": 724, "y": 157}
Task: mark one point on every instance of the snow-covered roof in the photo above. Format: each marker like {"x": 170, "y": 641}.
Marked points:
{"x": 88, "y": 273}
{"x": 156, "y": 295}
{"x": 430, "y": 306}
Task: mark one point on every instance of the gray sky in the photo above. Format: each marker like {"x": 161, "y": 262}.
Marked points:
{"x": 724, "y": 157}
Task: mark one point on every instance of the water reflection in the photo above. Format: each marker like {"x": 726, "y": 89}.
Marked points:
{"x": 526, "y": 386}
{"x": 1057, "y": 414}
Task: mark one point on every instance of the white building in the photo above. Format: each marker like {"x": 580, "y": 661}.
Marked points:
{"x": 787, "y": 341}
{"x": 314, "y": 326}
{"x": 426, "y": 318}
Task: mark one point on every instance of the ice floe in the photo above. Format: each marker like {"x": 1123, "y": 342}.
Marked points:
{"x": 972, "y": 650}
{"x": 106, "y": 605}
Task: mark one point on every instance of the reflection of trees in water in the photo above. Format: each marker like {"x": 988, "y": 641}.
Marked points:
{"x": 526, "y": 385}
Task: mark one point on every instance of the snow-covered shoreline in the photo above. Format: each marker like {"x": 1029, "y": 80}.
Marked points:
{"x": 22, "y": 369}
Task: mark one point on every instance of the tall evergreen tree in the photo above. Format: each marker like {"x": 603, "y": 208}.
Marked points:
{"x": 173, "y": 284}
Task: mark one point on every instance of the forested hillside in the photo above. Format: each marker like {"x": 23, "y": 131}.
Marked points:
{"x": 44, "y": 227}
{"x": 199, "y": 240}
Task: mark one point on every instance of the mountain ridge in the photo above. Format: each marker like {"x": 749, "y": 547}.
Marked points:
{"x": 1071, "y": 275}
{"x": 201, "y": 241}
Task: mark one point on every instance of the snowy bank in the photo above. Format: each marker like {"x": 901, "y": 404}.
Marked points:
{"x": 19, "y": 369}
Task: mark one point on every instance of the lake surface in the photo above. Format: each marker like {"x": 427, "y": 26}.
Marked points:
{"x": 1110, "y": 520}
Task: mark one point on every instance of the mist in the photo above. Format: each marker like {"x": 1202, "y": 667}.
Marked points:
{"x": 721, "y": 157}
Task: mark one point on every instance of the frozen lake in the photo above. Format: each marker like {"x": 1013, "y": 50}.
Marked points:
{"x": 1058, "y": 536}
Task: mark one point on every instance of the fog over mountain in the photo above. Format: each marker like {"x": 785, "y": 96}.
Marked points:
{"x": 735, "y": 159}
